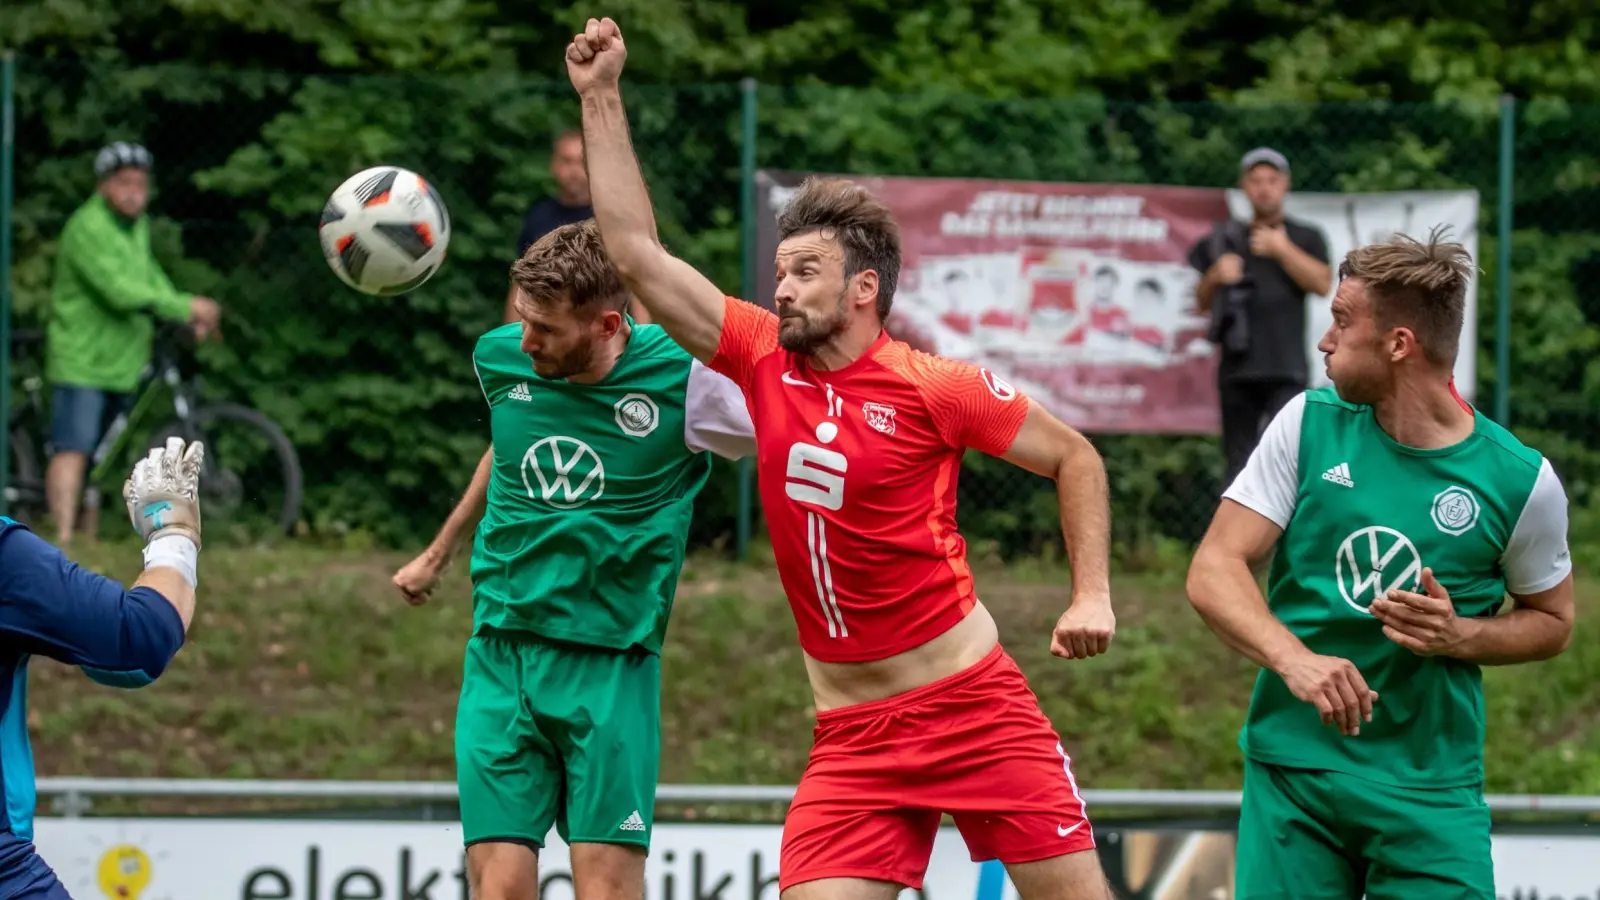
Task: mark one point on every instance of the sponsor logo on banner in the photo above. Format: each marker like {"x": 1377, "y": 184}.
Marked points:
{"x": 242, "y": 859}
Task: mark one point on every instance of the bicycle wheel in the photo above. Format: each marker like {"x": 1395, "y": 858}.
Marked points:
{"x": 251, "y": 484}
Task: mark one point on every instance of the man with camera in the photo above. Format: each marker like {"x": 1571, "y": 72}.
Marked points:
{"x": 1255, "y": 278}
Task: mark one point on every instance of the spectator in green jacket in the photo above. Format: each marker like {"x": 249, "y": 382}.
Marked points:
{"x": 107, "y": 288}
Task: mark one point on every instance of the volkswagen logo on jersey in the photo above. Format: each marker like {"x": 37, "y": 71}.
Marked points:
{"x": 1374, "y": 561}
{"x": 563, "y": 472}
{"x": 637, "y": 415}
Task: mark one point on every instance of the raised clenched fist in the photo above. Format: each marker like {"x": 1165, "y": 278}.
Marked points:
{"x": 595, "y": 57}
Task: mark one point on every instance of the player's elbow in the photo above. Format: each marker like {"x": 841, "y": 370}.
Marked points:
{"x": 151, "y": 635}
{"x": 638, "y": 259}
{"x": 1078, "y": 459}
{"x": 1560, "y": 634}
{"x": 1204, "y": 569}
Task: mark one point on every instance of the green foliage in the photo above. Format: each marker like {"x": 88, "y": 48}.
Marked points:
{"x": 255, "y": 112}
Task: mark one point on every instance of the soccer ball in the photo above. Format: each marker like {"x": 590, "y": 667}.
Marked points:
{"x": 384, "y": 231}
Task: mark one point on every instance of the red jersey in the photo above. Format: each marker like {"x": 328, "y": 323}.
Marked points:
{"x": 857, "y": 470}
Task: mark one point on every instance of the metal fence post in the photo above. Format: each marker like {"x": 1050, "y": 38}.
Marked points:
{"x": 747, "y": 241}
{"x": 8, "y": 129}
{"x": 1502, "y": 331}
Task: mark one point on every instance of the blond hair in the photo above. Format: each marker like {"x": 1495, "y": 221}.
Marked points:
{"x": 1417, "y": 285}
{"x": 570, "y": 263}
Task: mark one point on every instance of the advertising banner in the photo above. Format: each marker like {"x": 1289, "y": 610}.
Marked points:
{"x": 1080, "y": 293}
{"x": 243, "y": 859}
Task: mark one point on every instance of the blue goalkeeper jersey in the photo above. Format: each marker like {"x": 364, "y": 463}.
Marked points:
{"x": 51, "y": 607}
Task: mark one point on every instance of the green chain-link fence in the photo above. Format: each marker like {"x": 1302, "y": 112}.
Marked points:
{"x": 378, "y": 395}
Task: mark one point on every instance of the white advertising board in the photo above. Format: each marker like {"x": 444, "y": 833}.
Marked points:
{"x": 244, "y": 859}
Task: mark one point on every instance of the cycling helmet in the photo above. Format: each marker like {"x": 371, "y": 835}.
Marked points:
{"x": 121, "y": 155}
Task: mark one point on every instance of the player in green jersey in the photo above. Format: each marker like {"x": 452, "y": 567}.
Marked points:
{"x": 1401, "y": 519}
{"x": 598, "y": 450}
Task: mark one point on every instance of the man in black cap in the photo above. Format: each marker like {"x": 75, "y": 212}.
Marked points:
{"x": 1255, "y": 278}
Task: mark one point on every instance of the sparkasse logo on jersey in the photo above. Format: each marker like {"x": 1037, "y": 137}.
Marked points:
{"x": 1373, "y": 561}
{"x": 565, "y": 472}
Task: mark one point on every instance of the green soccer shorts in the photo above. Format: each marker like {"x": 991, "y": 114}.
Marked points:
{"x": 557, "y": 735}
{"x": 1319, "y": 835}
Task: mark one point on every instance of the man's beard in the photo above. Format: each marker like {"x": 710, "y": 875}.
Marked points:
{"x": 574, "y": 362}
{"x": 813, "y": 333}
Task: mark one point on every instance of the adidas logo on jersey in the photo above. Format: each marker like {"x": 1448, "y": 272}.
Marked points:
{"x": 520, "y": 392}
{"x": 1339, "y": 474}
{"x": 632, "y": 823}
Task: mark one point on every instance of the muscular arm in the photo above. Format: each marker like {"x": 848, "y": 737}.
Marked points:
{"x": 1047, "y": 446}
{"x": 1223, "y": 589}
{"x": 1539, "y": 626}
{"x": 676, "y": 296}
{"x": 1538, "y": 568}
{"x": 464, "y": 518}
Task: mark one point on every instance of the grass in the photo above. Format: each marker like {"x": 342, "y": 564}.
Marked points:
{"x": 304, "y": 663}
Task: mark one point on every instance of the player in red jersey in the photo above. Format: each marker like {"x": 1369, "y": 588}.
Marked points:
{"x": 859, "y": 441}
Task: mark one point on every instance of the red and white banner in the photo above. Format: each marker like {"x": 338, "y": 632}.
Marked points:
{"x": 1079, "y": 293}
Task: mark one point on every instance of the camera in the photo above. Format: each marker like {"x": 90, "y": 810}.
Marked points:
{"x": 1230, "y": 316}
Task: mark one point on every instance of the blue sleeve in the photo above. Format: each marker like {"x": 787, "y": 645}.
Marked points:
{"x": 120, "y": 637}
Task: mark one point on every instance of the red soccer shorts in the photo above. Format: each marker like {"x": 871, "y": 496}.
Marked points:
{"x": 974, "y": 745}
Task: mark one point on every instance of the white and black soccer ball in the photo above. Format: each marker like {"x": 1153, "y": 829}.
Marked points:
{"x": 385, "y": 231}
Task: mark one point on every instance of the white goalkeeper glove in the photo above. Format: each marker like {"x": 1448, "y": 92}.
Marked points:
{"x": 163, "y": 494}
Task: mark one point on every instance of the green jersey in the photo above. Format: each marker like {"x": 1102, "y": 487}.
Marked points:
{"x": 1362, "y": 515}
{"x": 592, "y": 488}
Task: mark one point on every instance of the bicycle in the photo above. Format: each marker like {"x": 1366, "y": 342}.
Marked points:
{"x": 244, "y": 447}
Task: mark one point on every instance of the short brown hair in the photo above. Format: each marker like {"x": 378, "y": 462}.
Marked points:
{"x": 570, "y": 134}
{"x": 851, "y": 215}
{"x": 570, "y": 263}
{"x": 1416, "y": 285}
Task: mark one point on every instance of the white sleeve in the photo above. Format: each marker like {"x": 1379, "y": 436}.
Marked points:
{"x": 715, "y": 416}
{"x": 1271, "y": 479}
{"x": 1536, "y": 558}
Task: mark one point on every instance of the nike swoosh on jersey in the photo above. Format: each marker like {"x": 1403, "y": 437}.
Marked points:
{"x": 788, "y": 378}
{"x": 1063, "y": 832}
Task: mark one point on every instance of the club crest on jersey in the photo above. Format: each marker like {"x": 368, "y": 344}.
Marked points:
{"x": 1373, "y": 561}
{"x": 880, "y": 416}
{"x": 998, "y": 386}
{"x": 637, "y": 415}
{"x": 1455, "y": 510}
